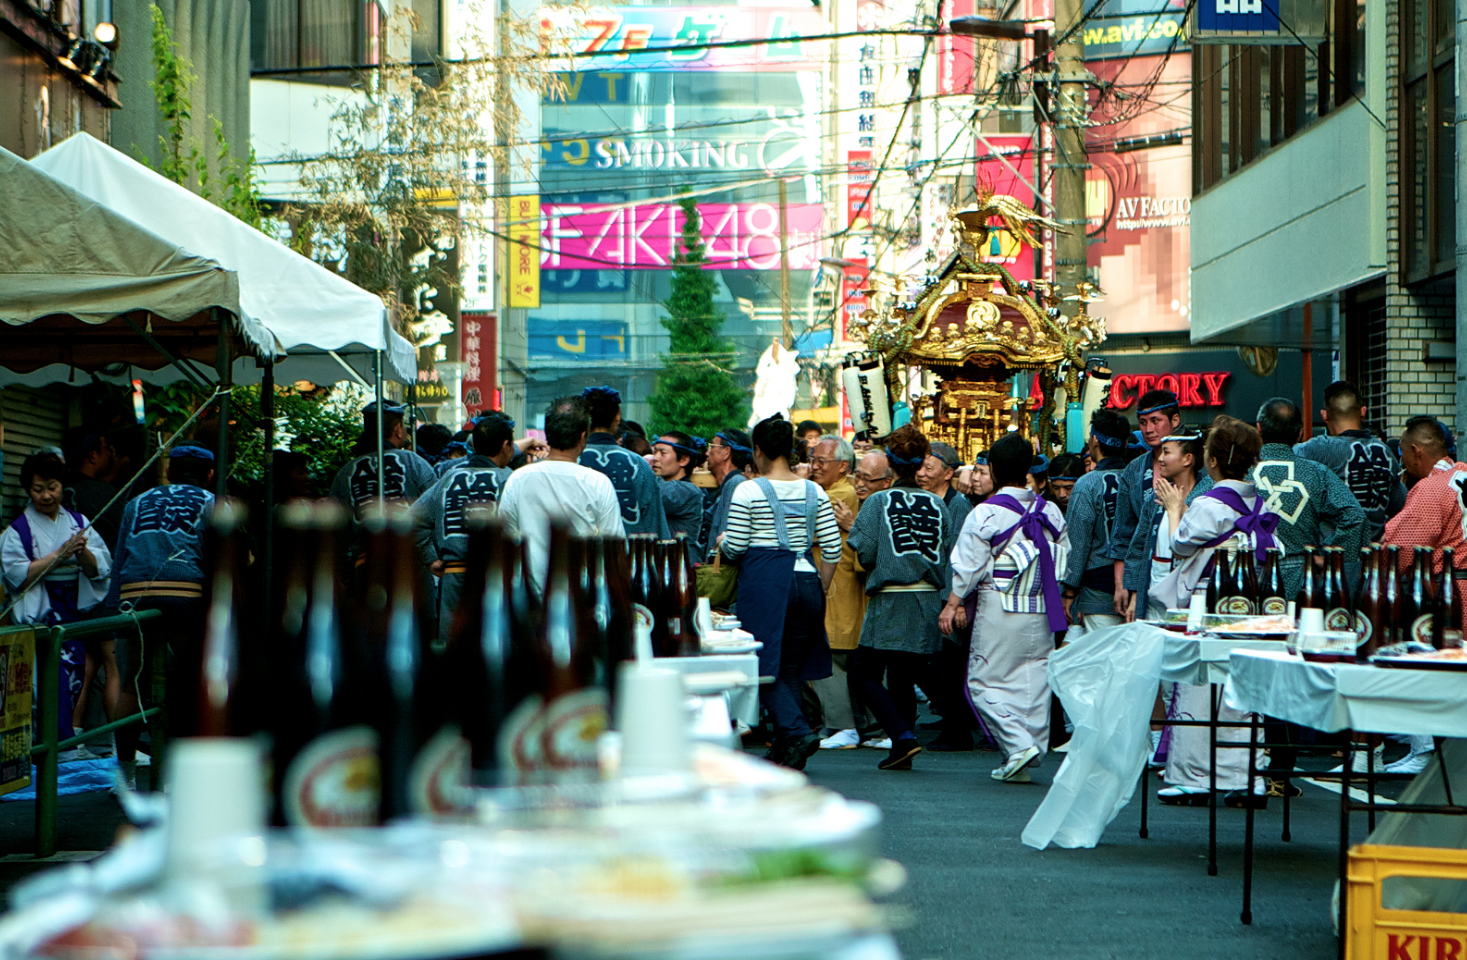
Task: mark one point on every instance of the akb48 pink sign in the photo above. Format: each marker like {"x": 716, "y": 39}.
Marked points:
{"x": 738, "y": 236}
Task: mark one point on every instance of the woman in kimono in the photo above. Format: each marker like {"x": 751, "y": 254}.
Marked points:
{"x": 1007, "y": 556}
{"x": 1230, "y": 511}
{"x": 776, "y": 525}
{"x": 56, "y": 568}
{"x": 902, "y": 536}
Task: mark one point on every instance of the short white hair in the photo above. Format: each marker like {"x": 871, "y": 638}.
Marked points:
{"x": 844, "y": 452}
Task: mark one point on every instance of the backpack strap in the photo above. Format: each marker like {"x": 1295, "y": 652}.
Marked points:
{"x": 776, "y": 508}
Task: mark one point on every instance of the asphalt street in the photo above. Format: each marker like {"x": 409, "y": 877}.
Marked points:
{"x": 973, "y": 890}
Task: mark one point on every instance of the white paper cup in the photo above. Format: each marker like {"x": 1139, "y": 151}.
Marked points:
{"x": 1311, "y": 620}
{"x": 216, "y": 790}
{"x": 1196, "y": 610}
{"x": 652, "y": 717}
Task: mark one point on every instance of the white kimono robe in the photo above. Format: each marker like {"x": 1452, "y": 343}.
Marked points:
{"x": 46, "y": 536}
{"x": 1009, "y": 655}
{"x": 1187, "y": 748}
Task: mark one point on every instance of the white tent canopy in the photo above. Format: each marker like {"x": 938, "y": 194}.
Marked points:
{"x": 79, "y": 281}
{"x": 311, "y": 311}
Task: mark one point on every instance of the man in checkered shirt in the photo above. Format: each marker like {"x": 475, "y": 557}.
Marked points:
{"x": 1432, "y": 516}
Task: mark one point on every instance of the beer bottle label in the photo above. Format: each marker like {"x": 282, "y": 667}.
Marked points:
{"x": 572, "y": 726}
{"x": 1235, "y": 606}
{"x": 336, "y": 781}
{"x": 1363, "y": 628}
{"x": 439, "y": 779}
{"x": 1338, "y": 618}
{"x": 674, "y": 626}
{"x": 1275, "y": 606}
{"x": 1421, "y": 629}
{"x": 519, "y": 741}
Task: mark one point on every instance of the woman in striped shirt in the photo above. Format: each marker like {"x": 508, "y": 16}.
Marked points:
{"x": 776, "y": 525}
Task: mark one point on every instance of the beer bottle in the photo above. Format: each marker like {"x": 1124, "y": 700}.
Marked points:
{"x": 325, "y": 751}
{"x": 1308, "y": 591}
{"x": 1368, "y": 612}
{"x": 1391, "y": 598}
{"x": 1441, "y": 601}
{"x": 493, "y": 674}
{"x": 1272, "y": 601}
{"x": 611, "y": 606}
{"x": 1245, "y": 577}
{"x": 1337, "y": 614}
{"x": 1218, "y": 580}
{"x": 647, "y": 599}
{"x": 574, "y": 713}
{"x": 682, "y": 603}
{"x": 1233, "y": 598}
{"x": 221, "y": 707}
{"x": 1416, "y": 603}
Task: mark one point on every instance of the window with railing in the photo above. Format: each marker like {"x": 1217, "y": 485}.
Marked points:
{"x": 1249, "y": 98}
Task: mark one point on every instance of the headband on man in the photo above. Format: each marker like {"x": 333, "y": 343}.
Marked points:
{"x": 905, "y": 461}
{"x": 1160, "y": 407}
{"x": 611, "y": 393}
{"x": 1181, "y": 437}
{"x": 1040, "y": 467}
{"x": 191, "y": 451}
{"x": 475, "y": 421}
{"x": 1105, "y": 440}
{"x": 1067, "y": 477}
{"x": 458, "y": 445}
{"x": 695, "y": 451}
{"x": 733, "y": 444}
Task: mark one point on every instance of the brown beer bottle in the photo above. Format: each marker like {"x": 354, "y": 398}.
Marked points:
{"x": 1390, "y": 582}
{"x": 1308, "y": 595}
{"x": 1217, "y": 583}
{"x": 323, "y": 734}
{"x": 1367, "y": 607}
{"x": 1233, "y": 598}
{"x": 1337, "y": 613}
{"x": 682, "y": 603}
{"x": 1441, "y": 602}
{"x": 647, "y": 595}
{"x": 574, "y": 715}
{"x": 1416, "y": 602}
{"x": 1272, "y": 601}
{"x": 222, "y": 711}
{"x": 611, "y": 606}
{"x": 1245, "y": 577}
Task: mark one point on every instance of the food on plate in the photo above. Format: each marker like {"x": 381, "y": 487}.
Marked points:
{"x": 1257, "y": 625}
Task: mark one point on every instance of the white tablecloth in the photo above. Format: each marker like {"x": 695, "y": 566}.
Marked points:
{"x": 743, "y": 702}
{"x": 1107, "y": 681}
{"x": 1347, "y": 696}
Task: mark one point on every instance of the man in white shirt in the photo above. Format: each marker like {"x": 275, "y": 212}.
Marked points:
{"x": 559, "y": 488}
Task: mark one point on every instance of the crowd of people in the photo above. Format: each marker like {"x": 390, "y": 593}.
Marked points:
{"x": 875, "y": 574}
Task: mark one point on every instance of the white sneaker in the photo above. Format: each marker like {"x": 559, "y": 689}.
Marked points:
{"x": 879, "y": 743}
{"x": 1410, "y": 763}
{"x": 841, "y": 740}
{"x": 127, "y": 776}
{"x": 1015, "y": 769}
{"x": 82, "y": 753}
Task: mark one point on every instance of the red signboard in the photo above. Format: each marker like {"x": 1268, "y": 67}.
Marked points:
{"x": 478, "y": 348}
{"x": 1010, "y": 175}
{"x": 1192, "y": 389}
{"x": 955, "y": 54}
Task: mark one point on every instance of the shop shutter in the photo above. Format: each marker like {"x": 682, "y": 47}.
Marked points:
{"x": 31, "y": 419}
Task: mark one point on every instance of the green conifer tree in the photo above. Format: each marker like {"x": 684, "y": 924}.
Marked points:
{"x": 696, "y": 391}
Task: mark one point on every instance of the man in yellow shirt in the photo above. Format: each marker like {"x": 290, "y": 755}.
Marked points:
{"x": 845, "y": 601}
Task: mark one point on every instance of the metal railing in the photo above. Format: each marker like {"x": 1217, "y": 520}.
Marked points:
{"x": 46, "y": 752}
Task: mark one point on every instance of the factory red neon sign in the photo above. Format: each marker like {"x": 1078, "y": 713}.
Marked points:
{"x": 1192, "y": 389}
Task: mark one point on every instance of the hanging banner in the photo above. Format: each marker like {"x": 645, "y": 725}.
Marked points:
{"x": 17, "y": 657}
{"x": 524, "y": 259}
{"x": 645, "y": 236}
{"x": 479, "y": 351}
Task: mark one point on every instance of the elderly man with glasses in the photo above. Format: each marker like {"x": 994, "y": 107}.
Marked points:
{"x": 845, "y": 601}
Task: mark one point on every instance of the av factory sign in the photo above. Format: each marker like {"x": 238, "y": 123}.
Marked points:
{"x": 1192, "y": 389}
{"x": 1206, "y": 382}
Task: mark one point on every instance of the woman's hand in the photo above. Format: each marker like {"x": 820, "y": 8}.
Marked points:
{"x": 1172, "y": 499}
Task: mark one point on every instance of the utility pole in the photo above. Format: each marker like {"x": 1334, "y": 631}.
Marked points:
{"x": 1071, "y": 108}
{"x": 786, "y": 329}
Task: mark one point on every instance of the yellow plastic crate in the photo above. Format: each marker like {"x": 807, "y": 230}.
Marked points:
{"x": 1376, "y": 933}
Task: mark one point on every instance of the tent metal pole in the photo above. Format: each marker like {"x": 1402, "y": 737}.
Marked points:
{"x": 183, "y": 368}
{"x": 224, "y": 364}
{"x": 267, "y": 414}
{"x": 381, "y": 453}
